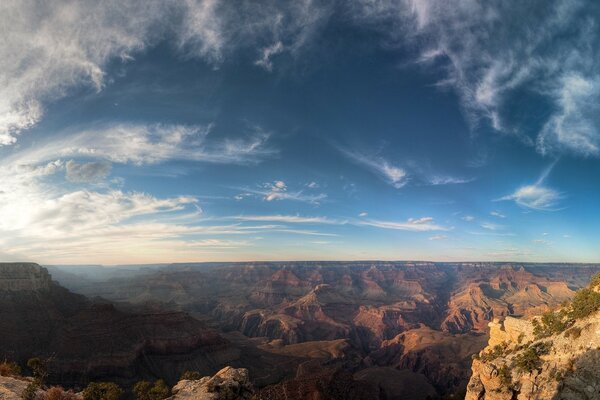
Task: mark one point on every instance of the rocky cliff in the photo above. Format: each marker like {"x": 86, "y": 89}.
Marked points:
{"x": 84, "y": 340}
{"x": 549, "y": 357}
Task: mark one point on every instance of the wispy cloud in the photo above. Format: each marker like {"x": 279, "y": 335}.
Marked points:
{"x": 394, "y": 175}
{"x": 278, "y": 190}
{"x": 497, "y": 214}
{"x": 438, "y": 237}
{"x": 294, "y": 219}
{"x": 49, "y": 49}
{"x": 413, "y": 224}
{"x": 448, "y": 180}
{"x": 141, "y": 144}
{"x": 536, "y": 196}
{"x": 489, "y": 66}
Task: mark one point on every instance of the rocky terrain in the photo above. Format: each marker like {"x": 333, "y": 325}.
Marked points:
{"x": 549, "y": 357}
{"x": 413, "y": 322}
{"x": 380, "y": 330}
{"x": 84, "y": 340}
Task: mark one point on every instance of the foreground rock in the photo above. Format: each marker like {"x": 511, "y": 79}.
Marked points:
{"x": 12, "y": 388}
{"x": 563, "y": 366}
{"x": 227, "y": 384}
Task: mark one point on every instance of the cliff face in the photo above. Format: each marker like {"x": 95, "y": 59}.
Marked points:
{"x": 516, "y": 365}
{"x": 23, "y": 277}
{"x": 83, "y": 340}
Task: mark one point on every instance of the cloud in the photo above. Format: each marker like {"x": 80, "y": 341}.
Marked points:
{"x": 295, "y": 219}
{"x": 50, "y": 49}
{"x": 491, "y": 67}
{"x": 535, "y": 197}
{"x": 394, "y": 175}
{"x": 363, "y": 214}
{"x": 497, "y": 214}
{"x": 468, "y": 218}
{"x": 278, "y": 190}
{"x": 448, "y": 180}
{"x": 266, "y": 53}
{"x": 491, "y": 226}
{"x": 438, "y": 237}
{"x": 415, "y": 225}
{"x": 574, "y": 127}
{"x": 87, "y": 172}
{"x": 141, "y": 144}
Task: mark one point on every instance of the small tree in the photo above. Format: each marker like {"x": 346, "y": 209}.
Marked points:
{"x": 190, "y": 376}
{"x": 39, "y": 369}
{"x": 145, "y": 390}
{"x": 102, "y": 391}
{"x": 585, "y": 302}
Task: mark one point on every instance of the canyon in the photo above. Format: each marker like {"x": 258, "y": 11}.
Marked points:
{"x": 389, "y": 330}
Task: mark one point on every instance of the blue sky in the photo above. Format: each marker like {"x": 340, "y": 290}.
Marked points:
{"x": 156, "y": 131}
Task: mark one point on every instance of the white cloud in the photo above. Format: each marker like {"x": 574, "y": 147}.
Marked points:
{"x": 363, "y": 214}
{"x": 149, "y": 144}
{"x": 489, "y": 65}
{"x": 448, "y": 180}
{"x": 438, "y": 237}
{"x": 535, "y": 197}
{"x": 266, "y": 53}
{"x": 416, "y": 225}
{"x": 394, "y": 175}
{"x": 575, "y": 126}
{"x": 295, "y": 219}
{"x": 278, "y": 190}
{"x": 468, "y": 218}
{"x": 491, "y": 226}
{"x": 497, "y": 214}
{"x": 48, "y": 49}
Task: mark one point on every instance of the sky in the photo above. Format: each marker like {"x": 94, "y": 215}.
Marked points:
{"x": 205, "y": 130}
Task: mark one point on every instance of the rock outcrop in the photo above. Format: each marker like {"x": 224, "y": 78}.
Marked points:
{"x": 227, "y": 384}
{"x": 12, "y": 388}
{"x": 517, "y": 366}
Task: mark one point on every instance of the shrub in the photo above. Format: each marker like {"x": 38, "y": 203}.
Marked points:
{"x": 551, "y": 323}
{"x": 39, "y": 369}
{"x": 145, "y": 390}
{"x": 585, "y": 302}
{"x": 57, "y": 393}
{"x": 498, "y": 350}
{"x": 595, "y": 281}
{"x": 505, "y": 376}
{"x": 527, "y": 361}
{"x": 9, "y": 368}
{"x": 102, "y": 391}
{"x": 190, "y": 376}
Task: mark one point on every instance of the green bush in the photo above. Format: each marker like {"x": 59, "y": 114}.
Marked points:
{"x": 585, "y": 302}
{"x": 190, "y": 376}
{"x": 102, "y": 391}
{"x": 595, "y": 281}
{"x": 505, "y": 376}
{"x": 145, "y": 390}
{"x": 550, "y": 324}
{"x": 39, "y": 369}
{"x": 498, "y": 350}
{"x": 529, "y": 359}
